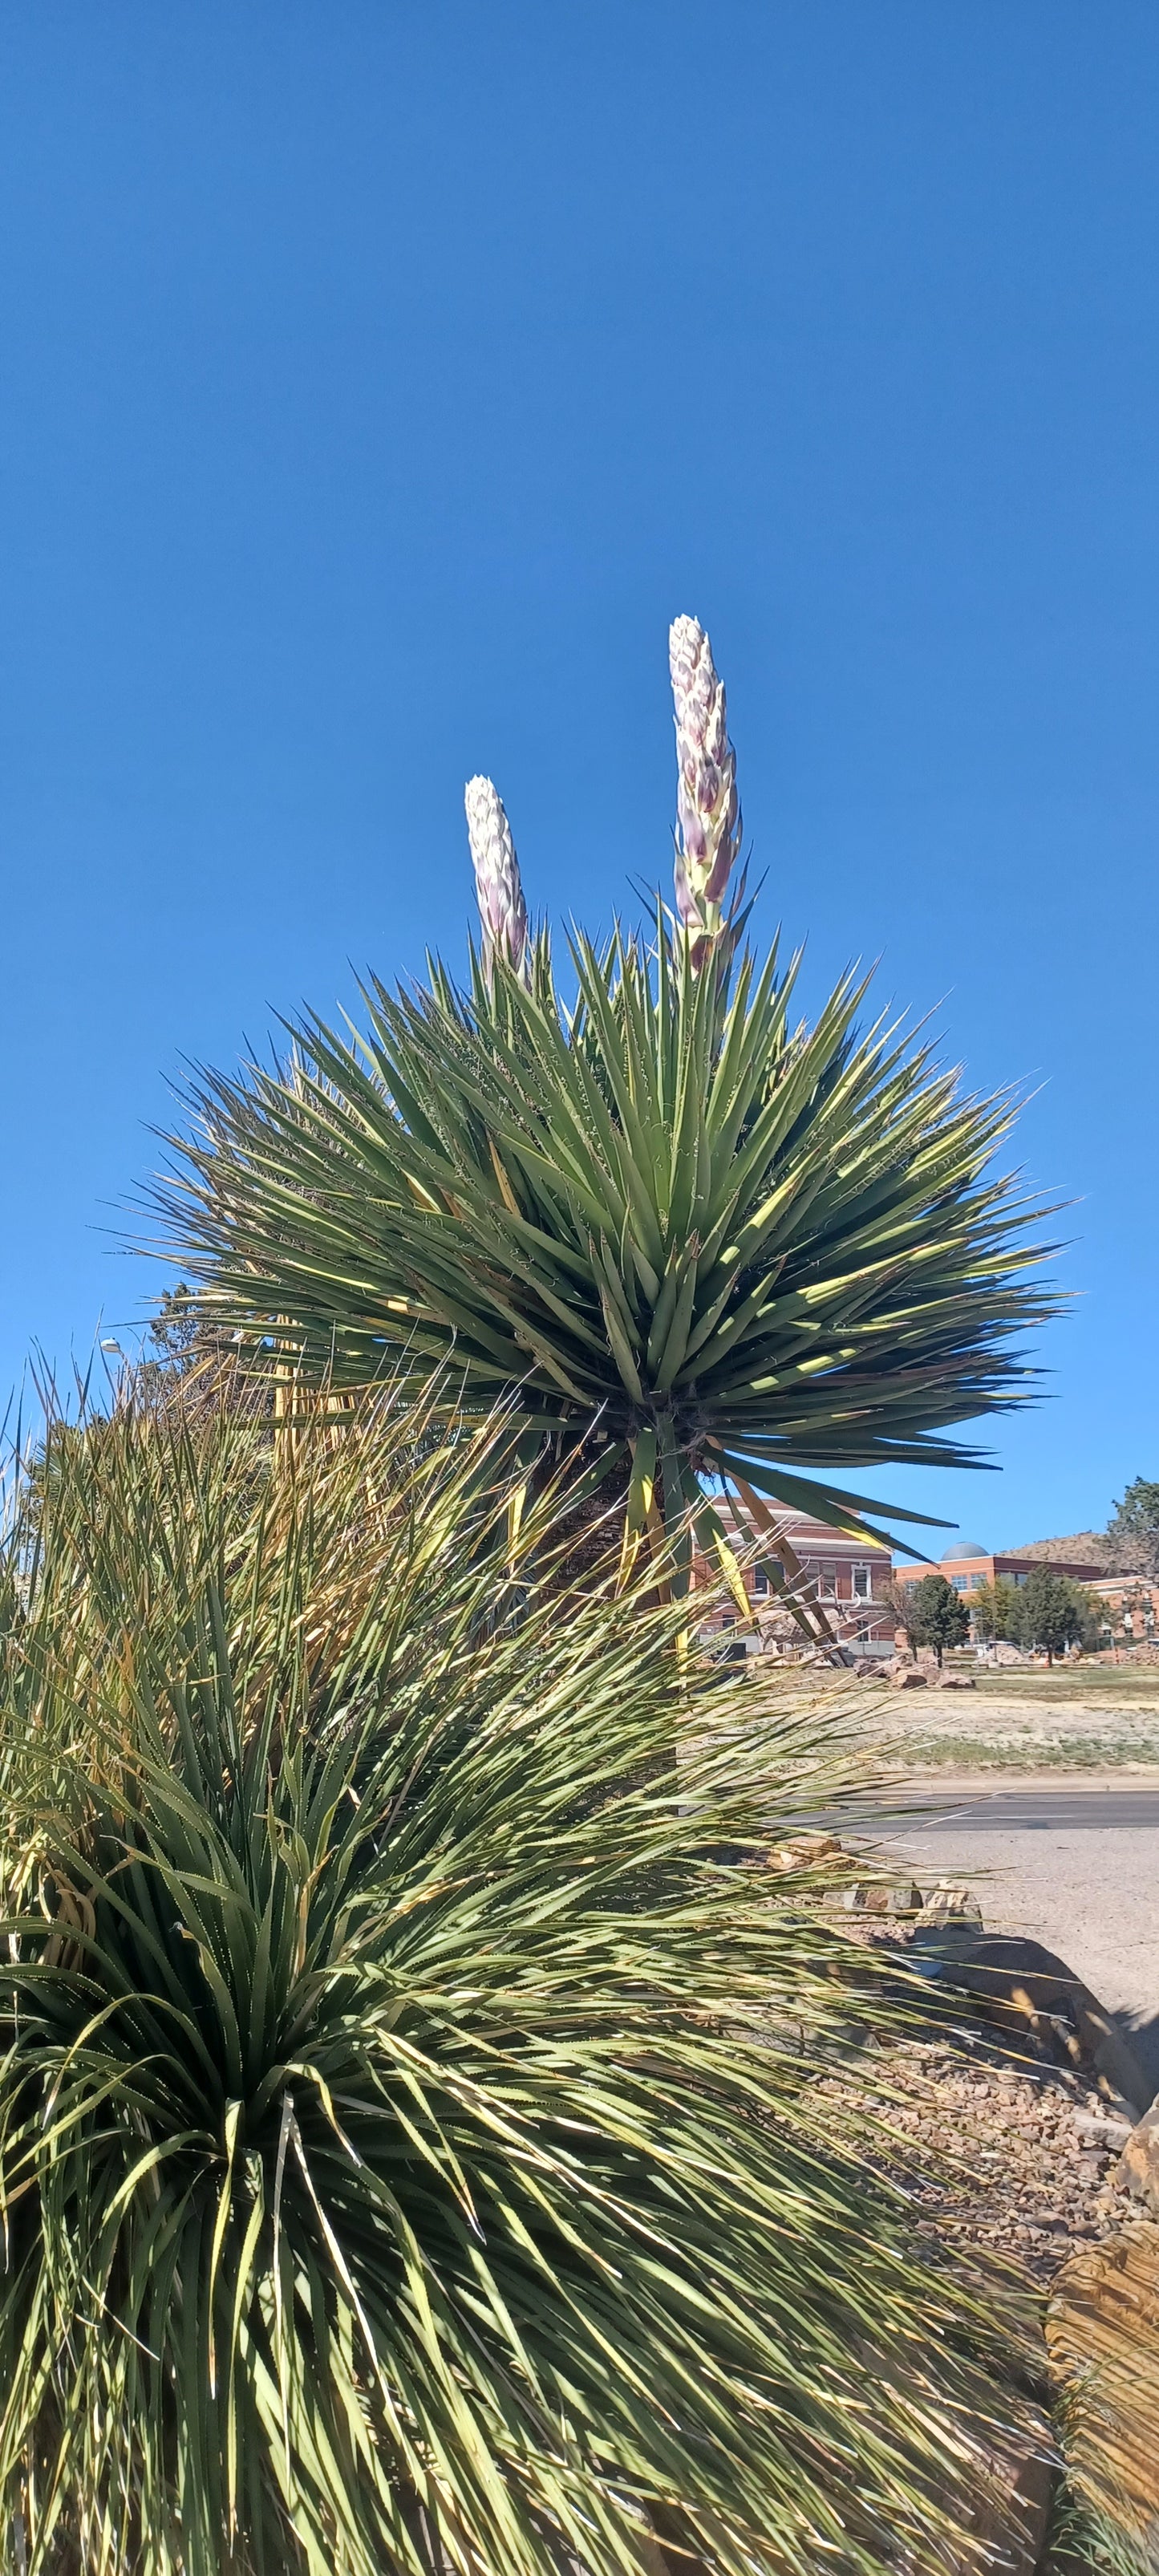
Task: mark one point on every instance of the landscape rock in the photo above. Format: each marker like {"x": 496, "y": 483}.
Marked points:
{"x": 873, "y": 1896}
{"x": 1101, "y": 2129}
{"x": 804, "y": 1851}
{"x": 1011, "y": 2522}
{"x": 1032, "y": 1995}
{"x": 955, "y": 1681}
{"x": 947, "y": 1903}
{"x": 998, "y": 2154}
{"x": 1138, "y": 2166}
{"x": 908, "y": 1677}
{"x": 1102, "y": 2341}
{"x": 1015, "y": 2162}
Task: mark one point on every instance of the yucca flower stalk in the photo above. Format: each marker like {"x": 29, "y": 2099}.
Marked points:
{"x": 695, "y": 1243}
{"x": 708, "y": 811}
{"x": 410, "y": 2150}
{"x": 498, "y": 884}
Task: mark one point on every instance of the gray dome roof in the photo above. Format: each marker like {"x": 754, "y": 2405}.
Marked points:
{"x": 962, "y": 1547}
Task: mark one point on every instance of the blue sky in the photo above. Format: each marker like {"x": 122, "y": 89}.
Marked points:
{"x": 381, "y": 376}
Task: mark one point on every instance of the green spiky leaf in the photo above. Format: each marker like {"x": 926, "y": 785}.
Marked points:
{"x": 663, "y": 1209}
{"x": 410, "y": 2149}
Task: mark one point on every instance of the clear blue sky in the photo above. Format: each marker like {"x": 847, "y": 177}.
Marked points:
{"x": 380, "y": 376}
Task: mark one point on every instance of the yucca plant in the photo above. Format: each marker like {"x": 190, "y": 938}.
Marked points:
{"x": 410, "y": 2156}
{"x": 693, "y": 1241}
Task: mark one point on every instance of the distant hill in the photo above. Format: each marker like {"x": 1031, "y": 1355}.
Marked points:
{"x": 1087, "y": 1547}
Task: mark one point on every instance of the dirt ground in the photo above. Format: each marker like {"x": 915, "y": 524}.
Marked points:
{"x": 1098, "y": 1717}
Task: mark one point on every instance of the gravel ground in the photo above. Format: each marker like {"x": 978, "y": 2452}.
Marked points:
{"x": 1025, "y": 2147}
{"x": 1025, "y": 2154}
{"x": 1035, "y": 2179}
{"x": 1032, "y": 2153}
{"x": 1025, "y": 2179}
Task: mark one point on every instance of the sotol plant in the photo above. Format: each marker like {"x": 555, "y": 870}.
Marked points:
{"x": 691, "y": 1240}
{"x": 410, "y": 2149}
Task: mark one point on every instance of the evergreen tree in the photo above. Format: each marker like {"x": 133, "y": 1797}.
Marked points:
{"x": 1133, "y": 1529}
{"x": 1053, "y": 1613}
{"x": 938, "y": 1616}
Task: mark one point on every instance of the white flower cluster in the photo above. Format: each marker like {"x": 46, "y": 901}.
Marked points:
{"x": 706, "y": 797}
{"x": 497, "y": 879}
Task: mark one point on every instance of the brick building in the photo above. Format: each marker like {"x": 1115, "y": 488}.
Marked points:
{"x": 848, "y": 1581}
{"x": 1131, "y": 1598}
{"x": 967, "y": 1566}
{"x": 1134, "y": 1605}
{"x": 845, "y": 1578}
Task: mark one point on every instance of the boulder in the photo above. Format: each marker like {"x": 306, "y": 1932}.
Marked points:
{"x": 908, "y": 1677}
{"x": 1138, "y": 2166}
{"x": 955, "y": 1681}
{"x": 1102, "y": 2342}
{"x": 804, "y": 1851}
{"x": 1031, "y": 1995}
{"x": 1011, "y": 2517}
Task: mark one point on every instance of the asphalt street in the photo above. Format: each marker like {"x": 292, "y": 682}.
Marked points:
{"x": 1029, "y": 1809}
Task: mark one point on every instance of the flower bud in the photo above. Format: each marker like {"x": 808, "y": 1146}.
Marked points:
{"x": 706, "y": 797}
{"x": 497, "y": 880}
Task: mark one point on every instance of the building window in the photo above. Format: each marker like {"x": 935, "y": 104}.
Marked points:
{"x": 769, "y": 1576}
{"x": 959, "y": 1582}
{"x": 862, "y": 1582}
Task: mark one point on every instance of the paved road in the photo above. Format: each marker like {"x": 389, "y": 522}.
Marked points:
{"x": 1032, "y": 1810}
{"x": 1076, "y": 1867}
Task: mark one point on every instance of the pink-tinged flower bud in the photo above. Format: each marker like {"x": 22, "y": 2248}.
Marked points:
{"x": 497, "y": 880}
{"x": 706, "y": 797}
{"x": 685, "y": 899}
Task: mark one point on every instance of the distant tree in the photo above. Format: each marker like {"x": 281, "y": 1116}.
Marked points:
{"x": 994, "y": 1611}
{"x": 899, "y": 1603}
{"x": 178, "y": 1332}
{"x": 938, "y": 1616}
{"x": 1129, "y": 1618}
{"x": 1100, "y": 1622}
{"x": 188, "y": 1358}
{"x": 1133, "y": 1529}
{"x": 1053, "y": 1613}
